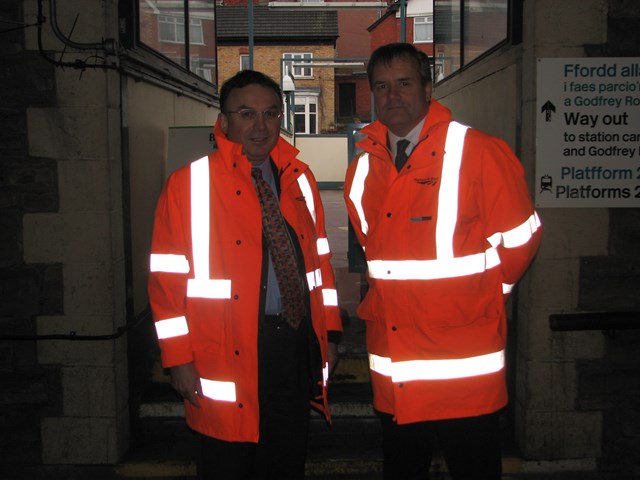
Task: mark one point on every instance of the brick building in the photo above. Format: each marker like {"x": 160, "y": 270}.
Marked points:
{"x": 282, "y": 37}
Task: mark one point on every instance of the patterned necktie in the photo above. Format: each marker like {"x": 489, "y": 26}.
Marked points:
{"x": 401, "y": 154}
{"x": 282, "y": 252}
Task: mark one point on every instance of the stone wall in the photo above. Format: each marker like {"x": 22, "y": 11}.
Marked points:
{"x": 611, "y": 384}
{"x": 64, "y": 397}
{"x": 578, "y": 391}
{"x": 28, "y": 185}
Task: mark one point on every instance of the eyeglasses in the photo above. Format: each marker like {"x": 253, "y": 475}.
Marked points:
{"x": 251, "y": 115}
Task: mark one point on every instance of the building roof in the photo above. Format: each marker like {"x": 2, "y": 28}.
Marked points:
{"x": 271, "y": 24}
{"x": 391, "y": 10}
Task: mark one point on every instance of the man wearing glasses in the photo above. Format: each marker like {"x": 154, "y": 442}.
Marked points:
{"x": 243, "y": 293}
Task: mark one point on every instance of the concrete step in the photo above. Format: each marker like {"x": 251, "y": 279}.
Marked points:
{"x": 349, "y": 448}
{"x": 345, "y": 400}
{"x": 166, "y": 447}
{"x": 349, "y": 391}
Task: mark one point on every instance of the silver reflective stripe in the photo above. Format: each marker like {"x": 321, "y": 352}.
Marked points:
{"x": 171, "y": 327}
{"x": 215, "y": 390}
{"x": 202, "y": 286}
{"x": 448, "y": 193}
{"x": 522, "y": 234}
{"x": 357, "y": 190}
{"x": 325, "y": 374}
{"x": 307, "y": 193}
{"x": 433, "y": 269}
{"x": 168, "y": 263}
{"x": 314, "y": 279}
{"x": 446, "y": 264}
{"x": 443, "y": 369}
{"x": 330, "y": 297}
{"x": 200, "y": 217}
{"x": 322, "y": 244}
{"x": 517, "y": 236}
{"x": 507, "y": 287}
{"x": 208, "y": 288}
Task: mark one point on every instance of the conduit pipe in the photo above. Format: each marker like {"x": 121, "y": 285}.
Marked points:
{"x": 108, "y": 45}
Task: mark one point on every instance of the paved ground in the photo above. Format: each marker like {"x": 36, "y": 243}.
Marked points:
{"x": 348, "y": 284}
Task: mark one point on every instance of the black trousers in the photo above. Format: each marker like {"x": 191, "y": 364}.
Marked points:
{"x": 283, "y": 384}
{"x": 471, "y": 447}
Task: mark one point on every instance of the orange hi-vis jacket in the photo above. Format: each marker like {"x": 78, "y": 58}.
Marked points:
{"x": 205, "y": 280}
{"x": 445, "y": 240}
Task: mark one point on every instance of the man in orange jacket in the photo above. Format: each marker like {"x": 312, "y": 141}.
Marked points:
{"x": 242, "y": 291}
{"x": 447, "y": 228}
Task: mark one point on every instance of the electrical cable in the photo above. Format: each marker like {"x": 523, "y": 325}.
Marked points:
{"x": 73, "y": 335}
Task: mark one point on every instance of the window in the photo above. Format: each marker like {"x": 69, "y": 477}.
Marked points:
{"x": 465, "y": 30}
{"x": 196, "y": 34}
{"x": 485, "y": 26}
{"x": 171, "y": 29}
{"x": 244, "y": 61}
{"x": 347, "y": 99}
{"x": 423, "y": 29}
{"x": 163, "y": 27}
{"x": 306, "y": 114}
{"x": 298, "y": 72}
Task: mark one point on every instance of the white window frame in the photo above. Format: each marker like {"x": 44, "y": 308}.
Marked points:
{"x": 310, "y": 118}
{"x": 201, "y": 69}
{"x": 176, "y": 33}
{"x": 421, "y": 23}
{"x": 196, "y": 30}
{"x": 244, "y": 61}
{"x": 297, "y": 72}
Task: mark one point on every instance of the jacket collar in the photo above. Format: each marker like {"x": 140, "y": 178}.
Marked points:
{"x": 376, "y": 132}
{"x": 283, "y": 155}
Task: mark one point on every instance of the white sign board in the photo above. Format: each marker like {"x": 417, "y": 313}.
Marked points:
{"x": 588, "y": 132}
{"x": 187, "y": 144}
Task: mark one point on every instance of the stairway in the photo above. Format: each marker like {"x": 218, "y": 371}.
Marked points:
{"x": 163, "y": 447}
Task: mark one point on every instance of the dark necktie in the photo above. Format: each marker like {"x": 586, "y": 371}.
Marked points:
{"x": 282, "y": 252}
{"x": 401, "y": 154}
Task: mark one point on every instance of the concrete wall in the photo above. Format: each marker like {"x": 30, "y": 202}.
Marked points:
{"x": 563, "y": 417}
{"x": 326, "y": 155}
{"x": 151, "y": 112}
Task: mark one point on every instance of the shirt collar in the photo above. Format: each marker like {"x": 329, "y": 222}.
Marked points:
{"x": 413, "y": 136}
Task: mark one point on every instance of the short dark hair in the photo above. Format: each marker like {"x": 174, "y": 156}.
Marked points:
{"x": 244, "y": 78}
{"x": 386, "y": 53}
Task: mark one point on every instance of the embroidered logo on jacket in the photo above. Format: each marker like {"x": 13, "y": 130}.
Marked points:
{"x": 433, "y": 181}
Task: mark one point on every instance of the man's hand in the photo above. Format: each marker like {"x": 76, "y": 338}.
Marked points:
{"x": 332, "y": 357}
{"x": 186, "y": 381}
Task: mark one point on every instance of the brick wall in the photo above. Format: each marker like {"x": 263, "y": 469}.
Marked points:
{"x": 267, "y": 60}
